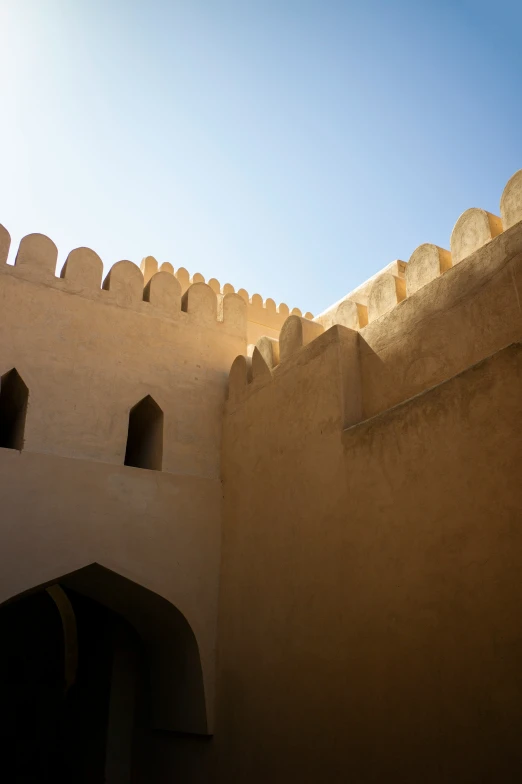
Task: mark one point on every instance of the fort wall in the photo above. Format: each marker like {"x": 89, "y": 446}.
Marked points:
{"x": 474, "y": 229}
{"x": 264, "y": 317}
{"x": 370, "y": 480}
{"x": 159, "y": 530}
{"x": 464, "y": 313}
{"x": 371, "y": 496}
{"x": 88, "y": 353}
{"x": 378, "y": 567}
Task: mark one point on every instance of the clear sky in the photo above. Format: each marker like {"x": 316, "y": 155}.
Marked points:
{"x": 289, "y": 147}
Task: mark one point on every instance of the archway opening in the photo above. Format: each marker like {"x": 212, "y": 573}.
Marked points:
{"x": 53, "y": 730}
{"x": 87, "y": 665}
{"x": 13, "y": 407}
{"x": 145, "y": 435}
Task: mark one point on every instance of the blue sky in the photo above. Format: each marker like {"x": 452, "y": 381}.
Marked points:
{"x": 289, "y": 147}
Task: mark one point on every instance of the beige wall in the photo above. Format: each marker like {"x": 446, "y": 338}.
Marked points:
{"x": 257, "y": 331}
{"x": 87, "y": 356}
{"x": 158, "y": 530}
{"x": 370, "y": 601}
{"x": 454, "y": 321}
{"x": 370, "y": 593}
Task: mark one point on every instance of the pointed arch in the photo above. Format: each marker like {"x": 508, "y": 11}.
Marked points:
{"x": 14, "y": 396}
{"x": 145, "y": 435}
{"x": 177, "y": 693}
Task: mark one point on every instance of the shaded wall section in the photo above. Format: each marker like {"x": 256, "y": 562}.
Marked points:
{"x": 160, "y": 531}
{"x": 453, "y": 322}
{"x": 371, "y": 596}
{"x": 87, "y": 356}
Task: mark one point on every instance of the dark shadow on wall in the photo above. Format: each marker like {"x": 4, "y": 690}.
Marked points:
{"x": 177, "y": 691}
{"x": 145, "y": 435}
{"x": 79, "y": 676}
{"x": 13, "y": 407}
{"x": 61, "y": 723}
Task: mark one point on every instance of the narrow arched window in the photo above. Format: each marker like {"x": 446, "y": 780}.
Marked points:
{"x": 13, "y": 407}
{"x": 145, "y": 437}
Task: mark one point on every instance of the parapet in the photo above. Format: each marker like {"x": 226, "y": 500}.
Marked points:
{"x": 414, "y": 325}
{"x": 265, "y": 313}
{"x": 369, "y": 300}
{"x": 152, "y": 288}
{"x": 400, "y": 279}
{"x": 150, "y": 291}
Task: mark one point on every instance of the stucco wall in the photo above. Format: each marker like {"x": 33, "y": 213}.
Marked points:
{"x": 456, "y": 320}
{"x": 257, "y": 331}
{"x": 87, "y": 355}
{"x": 87, "y": 359}
{"x": 368, "y": 623}
{"x": 370, "y": 597}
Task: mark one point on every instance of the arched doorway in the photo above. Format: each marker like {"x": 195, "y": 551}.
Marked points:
{"x": 52, "y": 730}
{"x": 83, "y": 660}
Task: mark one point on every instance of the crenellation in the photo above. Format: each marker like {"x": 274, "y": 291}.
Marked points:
{"x": 473, "y": 229}
{"x": 5, "y": 244}
{"x": 511, "y": 201}
{"x": 215, "y": 285}
{"x": 36, "y": 257}
{"x": 184, "y": 278}
{"x": 350, "y": 314}
{"x": 151, "y": 290}
{"x": 259, "y": 367}
{"x": 261, "y": 315}
{"x": 83, "y": 268}
{"x": 386, "y": 292}
{"x": 268, "y": 348}
{"x": 360, "y": 296}
{"x": 426, "y": 263}
{"x": 200, "y": 302}
{"x": 268, "y": 315}
{"x": 234, "y": 313}
{"x": 296, "y": 333}
{"x": 148, "y": 267}
{"x": 261, "y": 361}
{"x": 124, "y": 281}
{"x": 435, "y": 289}
{"x": 261, "y": 312}
{"x": 239, "y": 377}
{"x": 163, "y": 291}
{"x": 399, "y": 280}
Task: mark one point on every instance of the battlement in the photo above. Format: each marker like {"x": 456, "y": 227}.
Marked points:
{"x": 159, "y": 293}
{"x": 264, "y": 313}
{"x": 413, "y": 325}
{"x": 166, "y": 291}
{"x": 400, "y": 279}
{"x": 89, "y": 350}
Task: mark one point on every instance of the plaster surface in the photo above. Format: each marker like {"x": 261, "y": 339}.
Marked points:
{"x": 375, "y": 635}
{"x": 335, "y": 521}
{"x": 87, "y": 356}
